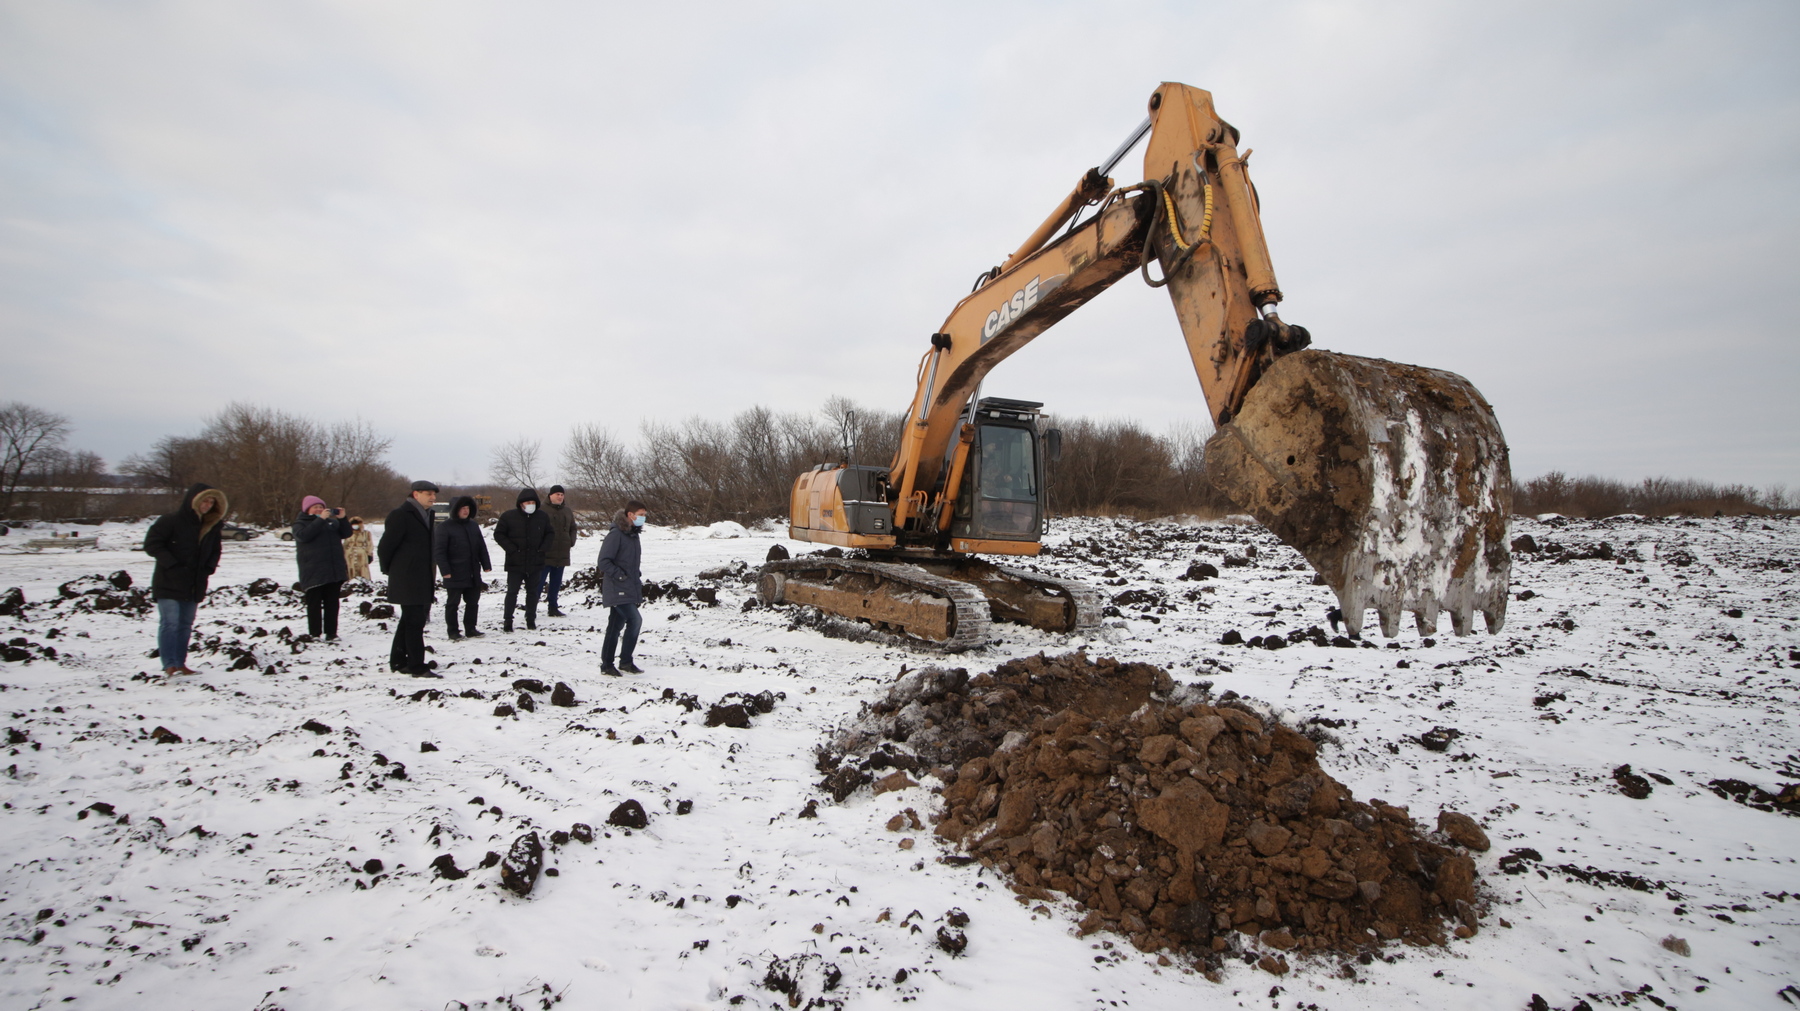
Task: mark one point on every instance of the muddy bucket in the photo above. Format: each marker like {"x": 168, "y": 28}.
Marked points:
{"x": 1391, "y": 479}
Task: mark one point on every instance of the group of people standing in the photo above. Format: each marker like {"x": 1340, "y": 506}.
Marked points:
{"x": 415, "y": 553}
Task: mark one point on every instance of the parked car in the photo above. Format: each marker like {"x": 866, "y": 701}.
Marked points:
{"x": 233, "y": 532}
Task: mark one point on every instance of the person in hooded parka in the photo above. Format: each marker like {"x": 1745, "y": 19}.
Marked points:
{"x": 524, "y": 533}
{"x": 186, "y": 546}
{"x": 359, "y": 547}
{"x": 461, "y": 555}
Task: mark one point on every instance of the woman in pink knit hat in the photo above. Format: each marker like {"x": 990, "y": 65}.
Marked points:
{"x": 319, "y": 533}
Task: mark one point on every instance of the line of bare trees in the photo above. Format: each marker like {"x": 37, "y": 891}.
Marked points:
{"x": 1120, "y": 467}
{"x": 1594, "y": 497}
{"x": 266, "y": 460}
{"x": 703, "y": 471}
{"x": 37, "y": 469}
{"x": 694, "y": 471}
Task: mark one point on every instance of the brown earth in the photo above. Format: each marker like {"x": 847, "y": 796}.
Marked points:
{"x": 1169, "y": 816}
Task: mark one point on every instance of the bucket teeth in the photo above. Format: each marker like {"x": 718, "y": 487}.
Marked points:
{"x": 1463, "y": 620}
{"x": 1390, "y": 620}
{"x": 1352, "y": 605}
{"x": 1391, "y": 479}
{"x": 1426, "y": 619}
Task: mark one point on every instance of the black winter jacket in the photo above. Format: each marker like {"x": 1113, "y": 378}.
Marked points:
{"x": 525, "y": 539}
{"x": 405, "y": 555}
{"x": 621, "y": 582}
{"x": 319, "y": 549}
{"x": 459, "y": 550}
{"x": 186, "y": 546}
{"x": 562, "y": 526}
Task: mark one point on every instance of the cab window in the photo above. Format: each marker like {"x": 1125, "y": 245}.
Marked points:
{"x": 1007, "y": 481}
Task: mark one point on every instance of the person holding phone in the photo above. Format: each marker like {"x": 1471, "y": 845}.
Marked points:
{"x": 319, "y": 533}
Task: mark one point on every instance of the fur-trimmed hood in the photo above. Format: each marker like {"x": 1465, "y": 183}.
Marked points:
{"x": 208, "y": 503}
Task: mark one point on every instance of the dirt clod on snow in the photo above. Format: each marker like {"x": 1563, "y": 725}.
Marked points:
{"x": 1170, "y": 816}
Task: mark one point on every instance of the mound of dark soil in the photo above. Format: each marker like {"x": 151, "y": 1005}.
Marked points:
{"x": 1170, "y": 816}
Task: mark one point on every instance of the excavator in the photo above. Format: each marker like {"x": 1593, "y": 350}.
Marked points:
{"x": 1392, "y": 480}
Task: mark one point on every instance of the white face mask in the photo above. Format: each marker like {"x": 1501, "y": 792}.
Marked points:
{"x": 529, "y": 507}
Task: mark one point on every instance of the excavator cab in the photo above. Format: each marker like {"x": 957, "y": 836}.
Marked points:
{"x": 1003, "y": 495}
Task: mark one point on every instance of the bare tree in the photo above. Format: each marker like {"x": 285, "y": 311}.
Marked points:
{"x": 28, "y": 438}
{"x": 264, "y": 458}
{"x": 594, "y": 461}
{"x": 1113, "y": 466}
{"x": 267, "y": 459}
{"x": 174, "y": 461}
{"x": 354, "y": 459}
{"x": 873, "y": 436}
{"x": 516, "y": 462}
{"x": 64, "y": 469}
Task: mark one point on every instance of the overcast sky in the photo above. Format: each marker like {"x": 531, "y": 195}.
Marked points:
{"x": 466, "y": 222}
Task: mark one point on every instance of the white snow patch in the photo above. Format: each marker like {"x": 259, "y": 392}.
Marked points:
{"x": 234, "y": 864}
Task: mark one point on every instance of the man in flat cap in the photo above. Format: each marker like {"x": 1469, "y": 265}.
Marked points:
{"x": 405, "y": 556}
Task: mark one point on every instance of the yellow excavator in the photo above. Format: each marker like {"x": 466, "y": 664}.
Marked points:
{"x": 1392, "y": 480}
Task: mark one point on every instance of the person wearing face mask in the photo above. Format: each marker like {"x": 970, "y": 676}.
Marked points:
{"x": 359, "y": 547}
{"x": 622, "y": 588}
{"x": 525, "y": 534}
{"x": 461, "y": 555}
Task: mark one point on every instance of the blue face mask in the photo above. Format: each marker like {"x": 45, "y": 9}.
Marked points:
{"x": 637, "y": 521}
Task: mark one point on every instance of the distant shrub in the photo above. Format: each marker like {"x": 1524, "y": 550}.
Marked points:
{"x": 1595, "y": 497}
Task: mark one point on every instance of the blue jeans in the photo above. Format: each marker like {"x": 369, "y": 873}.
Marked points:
{"x": 175, "y": 623}
{"x": 626, "y": 617}
{"x": 554, "y": 574}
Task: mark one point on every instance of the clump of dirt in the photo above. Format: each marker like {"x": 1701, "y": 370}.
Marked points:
{"x": 1186, "y": 822}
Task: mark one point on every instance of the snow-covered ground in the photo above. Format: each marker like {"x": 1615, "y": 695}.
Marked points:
{"x": 231, "y": 870}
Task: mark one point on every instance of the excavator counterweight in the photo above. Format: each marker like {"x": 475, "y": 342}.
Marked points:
{"x": 1391, "y": 479}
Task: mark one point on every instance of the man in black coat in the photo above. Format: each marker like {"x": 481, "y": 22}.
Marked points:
{"x": 565, "y": 531}
{"x": 526, "y": 535}
{"x": 405, "y": 556}
{"x": 461, "y": 555}
{"x": 185, "y": 544}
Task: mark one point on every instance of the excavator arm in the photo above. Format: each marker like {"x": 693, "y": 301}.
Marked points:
{"x": 1196, "y": 215}
{"x": 1391, "y": 479}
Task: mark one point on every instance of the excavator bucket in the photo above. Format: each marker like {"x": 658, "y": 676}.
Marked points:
{"x": 1391, "y": 479}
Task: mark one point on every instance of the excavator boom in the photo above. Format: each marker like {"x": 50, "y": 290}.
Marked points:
{"x": 1391, "y": 479}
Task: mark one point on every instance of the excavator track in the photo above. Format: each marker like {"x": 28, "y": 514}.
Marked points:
{"x": 895, "y": 596}
{"x": 933, "y": 598}
{"x": 1085, "y": 600}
